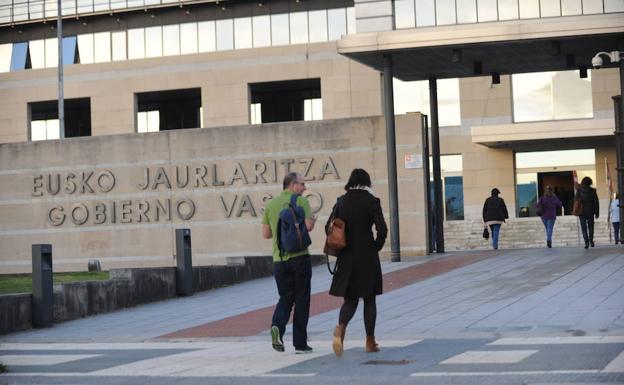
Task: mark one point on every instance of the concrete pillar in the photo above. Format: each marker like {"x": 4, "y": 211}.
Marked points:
{"x": 184, "y": 269}
{"x": 437, "y": 176}
{"x": 393, "y": 197}
{"x": 42, "y": 294}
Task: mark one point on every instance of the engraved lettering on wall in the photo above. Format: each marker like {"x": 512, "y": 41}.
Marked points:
{"x": 239, "y": 199}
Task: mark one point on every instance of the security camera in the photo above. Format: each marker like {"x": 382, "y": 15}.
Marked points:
{"x": 597, "y": 62}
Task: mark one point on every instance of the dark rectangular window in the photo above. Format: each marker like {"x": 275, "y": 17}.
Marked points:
{"x": 283, "y": 101}
{"x": 44, "y": 123}
{"x": 168, "y": 110}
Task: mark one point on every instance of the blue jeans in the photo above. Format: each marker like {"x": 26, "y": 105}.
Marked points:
{"x": 549, "y": 225}
{"x": 616, "y": 231}
{"x": 293, "y": 285}
{"x": 494, "y": 229}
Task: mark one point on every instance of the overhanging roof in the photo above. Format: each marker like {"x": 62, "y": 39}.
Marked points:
{"x": 508, "y": 47}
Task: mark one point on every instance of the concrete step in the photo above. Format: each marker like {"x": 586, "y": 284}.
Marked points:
{"x": 521, "y": 233}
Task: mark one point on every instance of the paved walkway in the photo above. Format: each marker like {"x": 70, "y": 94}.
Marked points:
{"x": 510, "y": 316}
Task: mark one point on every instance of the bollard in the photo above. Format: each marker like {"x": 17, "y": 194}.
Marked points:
{"x": 94, "y": 265}
{"x": 42, "y": 295}
{"x": 184, "y": 271}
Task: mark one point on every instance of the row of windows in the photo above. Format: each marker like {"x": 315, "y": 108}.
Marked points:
{"x": 23, "y": 10}
{"x": 180, "y": 39}
{"x": 425, "y": 13}
{"x": 536, "y": 97}
{"x": 149, "y": 121}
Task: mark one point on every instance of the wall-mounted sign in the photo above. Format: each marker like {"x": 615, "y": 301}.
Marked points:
{"x": 413, "y": 161}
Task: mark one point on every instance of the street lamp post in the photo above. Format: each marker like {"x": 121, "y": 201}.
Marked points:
{"x": 61, "y": 97}
{"x": 597, "y": 62}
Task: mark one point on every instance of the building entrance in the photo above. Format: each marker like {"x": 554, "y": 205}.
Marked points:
{"x": 562, "y": 183}
{"x": 536, "y": 170}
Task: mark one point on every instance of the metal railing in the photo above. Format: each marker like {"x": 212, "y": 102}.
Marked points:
{"x": 20, "y": 11}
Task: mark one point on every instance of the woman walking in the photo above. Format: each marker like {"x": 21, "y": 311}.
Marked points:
{"x": 548, "y": 206}
{"x": 614, "y": 211}
{"x": 494, "y": 214}
{"x": 589, "y": 199}
{"x": 358, "y": 270}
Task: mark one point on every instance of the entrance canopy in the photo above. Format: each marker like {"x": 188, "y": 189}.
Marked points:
{"x": 510, "y": 47}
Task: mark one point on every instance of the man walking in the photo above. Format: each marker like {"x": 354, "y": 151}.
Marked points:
{"x": 292, "y": 271}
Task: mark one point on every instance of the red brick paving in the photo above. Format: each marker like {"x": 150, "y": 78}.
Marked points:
{"x": 257, "y": 321}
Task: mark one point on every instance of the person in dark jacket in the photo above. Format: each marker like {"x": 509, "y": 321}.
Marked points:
{"x": 591, "y": 208}
{"x": 549, "y": 204}
{"x": 358, "y": 270}
{"x": 494, "y": 214}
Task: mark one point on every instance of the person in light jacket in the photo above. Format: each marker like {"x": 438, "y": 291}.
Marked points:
{"x": 494, "y": 214}
{"x": 614, "y": 211}
{"x": 549, "y": 204}
{"x": 358, "y": 270}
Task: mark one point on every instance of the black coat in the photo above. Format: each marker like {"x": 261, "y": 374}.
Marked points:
{"x": 494, "y": 209}
{"x": 358, "y": 270}
{"x": 589, "y": 198}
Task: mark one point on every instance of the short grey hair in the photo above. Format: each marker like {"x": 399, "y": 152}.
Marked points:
{"x": 289, "y": 178}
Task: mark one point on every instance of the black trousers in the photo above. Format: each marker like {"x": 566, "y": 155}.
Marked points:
{"x": 293, "y": 285}
{"x": 587, "y": 228}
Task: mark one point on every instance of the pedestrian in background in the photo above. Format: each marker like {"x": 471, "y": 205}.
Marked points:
{"x": 589, "y": 200}
{"x": 547, "y": 208}
{"x": 494, "y": 215}
{"x": 358, "y": 270}
{"x": 614, "y": 211}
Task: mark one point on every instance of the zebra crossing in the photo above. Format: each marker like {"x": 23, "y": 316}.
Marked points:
{"x": 595, "y": 358}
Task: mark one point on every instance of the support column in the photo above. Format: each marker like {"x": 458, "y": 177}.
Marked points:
{"x": 388, "y": 93}
{"x": 425, "y": 155}
{"x": 619, "y": 143}
{"x": 437, "y": 175}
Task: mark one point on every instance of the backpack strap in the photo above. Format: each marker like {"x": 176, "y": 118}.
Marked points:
{"x": 292, "y": 204}
{"x": 293, "y": 200}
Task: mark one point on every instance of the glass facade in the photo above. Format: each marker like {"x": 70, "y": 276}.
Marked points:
{"x": 414, "y": 97}
{"x": 44, "y": 129}
{"x": 426, "y": 13}
{"x": 543, "y": 96}
{"x": 186, "y": 38}
{"x": 148, "y": 121}
{"x": 313, "y": 109}
{"x": 451, "y": 168}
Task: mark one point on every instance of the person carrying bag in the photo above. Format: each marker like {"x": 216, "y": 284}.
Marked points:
{"x": 358, "y": 269}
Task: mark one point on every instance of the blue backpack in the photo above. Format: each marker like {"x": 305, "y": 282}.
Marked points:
{"x": 292, "y": 233}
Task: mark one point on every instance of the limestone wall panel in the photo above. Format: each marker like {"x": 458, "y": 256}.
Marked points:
{"x": 119, "y": 198}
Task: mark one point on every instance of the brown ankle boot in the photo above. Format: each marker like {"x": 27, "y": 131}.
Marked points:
{"x": 371, "y": 345}
{"x": 337, "y": 342}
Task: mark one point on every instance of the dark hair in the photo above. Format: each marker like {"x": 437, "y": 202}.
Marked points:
{"x": 289, "y": 178}
{"x": 359, "y": 177}
{"x": 587, "y": 181}
{"x": 495, "y": 191}
{"x": 548, "y": 191}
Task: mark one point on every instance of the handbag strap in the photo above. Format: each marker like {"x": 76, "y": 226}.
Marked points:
{"x": 332, "y": 216}
{"x": 331, "y": 271}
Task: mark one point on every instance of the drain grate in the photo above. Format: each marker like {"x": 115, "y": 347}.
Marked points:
{"x": 388, "y": 362}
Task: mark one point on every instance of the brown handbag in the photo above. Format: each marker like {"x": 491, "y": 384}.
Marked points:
{"x": 577, "y": 207}
{"x": 336, "y": 239}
